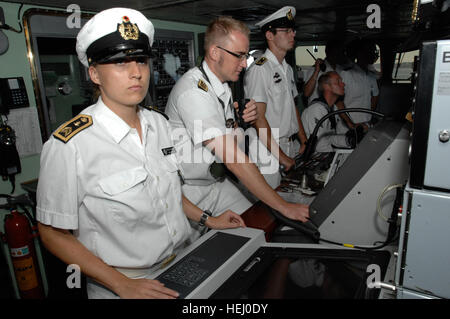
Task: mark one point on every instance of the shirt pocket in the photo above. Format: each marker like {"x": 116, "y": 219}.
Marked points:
{"x": 170, "y": 163}
{"x": 279, "y": 88}
{"x": 170, "y": 181}
{"x": 124, "y": 193}
{"x": 123, "y": 181}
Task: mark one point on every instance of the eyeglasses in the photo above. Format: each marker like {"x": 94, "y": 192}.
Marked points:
{"x": 242, "y": 57}
{"x": 290, "y": 30}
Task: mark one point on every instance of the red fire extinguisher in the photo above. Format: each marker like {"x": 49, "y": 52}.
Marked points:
{"x": 19, "y": 237}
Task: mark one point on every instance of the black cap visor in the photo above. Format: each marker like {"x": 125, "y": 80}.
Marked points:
{"x": 124, "y": 54}
{"x": 113, "y": 47}
{"x": 279, "y": 23}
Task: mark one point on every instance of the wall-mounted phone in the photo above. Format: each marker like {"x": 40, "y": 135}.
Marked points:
{"x": 13, "y": 94}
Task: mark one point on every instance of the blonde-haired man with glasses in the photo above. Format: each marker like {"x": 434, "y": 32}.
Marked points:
{"x": 201, "y": 111}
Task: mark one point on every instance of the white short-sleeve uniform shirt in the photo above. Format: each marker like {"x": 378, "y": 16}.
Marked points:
{"x": 121, "y": 197}
{"x": 197, "y": 115}
{"x": 273, "y": 83}
{"x": 359, "y": 89}
{"x": 198, "y": 108}
{"x": 326, "y": 134}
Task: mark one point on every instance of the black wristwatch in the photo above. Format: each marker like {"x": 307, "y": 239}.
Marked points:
{"x": 205, "y": 215}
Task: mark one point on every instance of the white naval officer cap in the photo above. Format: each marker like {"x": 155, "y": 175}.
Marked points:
{"x": 283, "y": 18}
{"x": 114, "y": 34}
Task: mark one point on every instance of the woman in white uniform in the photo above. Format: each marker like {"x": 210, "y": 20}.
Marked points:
{"x": 109, "y": 194}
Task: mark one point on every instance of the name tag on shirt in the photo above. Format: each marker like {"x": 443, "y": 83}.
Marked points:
{"x": 168, "y": 150}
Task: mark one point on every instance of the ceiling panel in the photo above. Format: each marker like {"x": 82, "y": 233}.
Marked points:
{"x": 316, "y": 19}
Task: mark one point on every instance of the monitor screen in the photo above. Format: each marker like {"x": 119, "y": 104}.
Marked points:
{"x": 299, "y": 273}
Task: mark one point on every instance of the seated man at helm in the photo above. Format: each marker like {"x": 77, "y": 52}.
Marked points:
{"x": 330, "y": 87}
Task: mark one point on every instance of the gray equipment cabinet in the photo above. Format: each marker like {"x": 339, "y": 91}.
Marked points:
{"x": 423, "y": 255}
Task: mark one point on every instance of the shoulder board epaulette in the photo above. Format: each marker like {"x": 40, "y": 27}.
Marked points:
{"x": 202, "y": 85}
{"x": 153, "y": 108}
{"x": 73, "y": 127}
{"x": 261, "y": 60}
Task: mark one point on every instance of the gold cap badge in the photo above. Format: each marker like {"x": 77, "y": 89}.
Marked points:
{"x": 128, "y": 30}
{"x": 289, "y": 15}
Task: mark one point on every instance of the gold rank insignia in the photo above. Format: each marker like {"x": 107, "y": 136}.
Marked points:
{"x": 261, "y": 61}
{"x": 289, "y": 15}
{"x": 154, "y": 108}
{"x": 202, "y": 85}
{"x": 73, "y": 127}
{"x": 167, "y": 261}
{"x": 128, "y": 30}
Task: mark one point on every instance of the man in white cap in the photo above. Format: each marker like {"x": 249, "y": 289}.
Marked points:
{"x": 270, "y": 82}
{"x": 200, "y": 107}
{"x": 110, "y": 174}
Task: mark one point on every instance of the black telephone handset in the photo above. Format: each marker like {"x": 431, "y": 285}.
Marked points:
{"x": 9, "y": 159}
{"x": 13, "y": 94}
{"x": 241, "y": 122}
{"x": 323, "y": 67}
{"x": 239, "y": 95}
